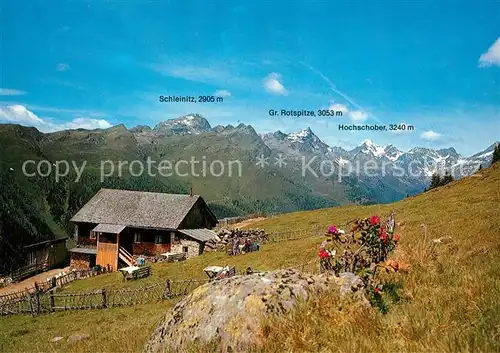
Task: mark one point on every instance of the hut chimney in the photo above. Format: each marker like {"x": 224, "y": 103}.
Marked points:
{"x": 191, "y": 191}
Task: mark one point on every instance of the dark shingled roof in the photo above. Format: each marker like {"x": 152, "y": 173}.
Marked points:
{"x": 136, "y": 208}
{"x": 44, "y": 244}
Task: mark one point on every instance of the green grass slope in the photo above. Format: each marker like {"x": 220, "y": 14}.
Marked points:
{"x": 448, "y": 301}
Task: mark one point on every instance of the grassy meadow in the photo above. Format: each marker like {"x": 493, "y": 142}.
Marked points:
{"x": 448, "y": 300}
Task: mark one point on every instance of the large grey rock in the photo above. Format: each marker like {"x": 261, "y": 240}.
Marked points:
{"x": 230, "y": 311}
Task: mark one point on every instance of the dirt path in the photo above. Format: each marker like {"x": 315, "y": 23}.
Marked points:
{"x": 30, "y": 282}
{"x": 247, "y": 222}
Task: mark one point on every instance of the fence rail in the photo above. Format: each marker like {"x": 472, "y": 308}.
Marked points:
{"x": 41, "y": 303}
{"x": 46, "y": 302}
{"x": 29, "y": 270}
{"x": 276, "y": 237}
{"x": 44, "y": 286}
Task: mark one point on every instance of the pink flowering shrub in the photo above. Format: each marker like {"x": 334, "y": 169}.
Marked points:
{"x": 361, "y": 251}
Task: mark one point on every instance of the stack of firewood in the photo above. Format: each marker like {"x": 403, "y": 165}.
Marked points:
{"x": 226, "y": 237}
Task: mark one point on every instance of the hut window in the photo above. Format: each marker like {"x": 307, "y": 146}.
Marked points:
{"x": 184, "y": 249}
{"x": 137, "y": 237}
{"x": 160, "y": 239}
{"x": 92, "y": 235}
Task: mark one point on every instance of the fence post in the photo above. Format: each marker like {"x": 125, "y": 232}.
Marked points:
{"x": 30, "y": 303}
{"x": 52, "y": 304}
{"x": 38, "y": 303}
{"x": 166, "y": 291}
{"x": 104, "y": 299}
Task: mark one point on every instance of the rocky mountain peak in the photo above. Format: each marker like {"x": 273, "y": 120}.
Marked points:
{"x": 392, "y": 153}
{"x": 450, "y": 152}
{"x": 191, "y": 124}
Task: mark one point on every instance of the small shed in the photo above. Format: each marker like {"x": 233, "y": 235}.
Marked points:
{"x": 41, "y": 257}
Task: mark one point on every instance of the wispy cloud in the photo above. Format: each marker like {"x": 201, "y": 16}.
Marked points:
{"x": 430, "y": 135}
{"x": 19, "y": 114}
{"x": 334, "y": 89}
{"x": 222, "y": 93}
{"x": 81, "y": 112}
{"x": 272, "y": 84}
{"x": 358, "y": 116}
{"x": 216, "y": 74}
{"x": 62, "y": 67}
{"x": 63, "y": 83}
{"x": 491, "y": 56}
{"x": 339, "y": 108}
{"x": 11, "y": 92}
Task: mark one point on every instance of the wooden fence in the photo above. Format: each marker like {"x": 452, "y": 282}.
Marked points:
{"x": 29, "y": 270}
{"x": 41, "y": 303}
{"x": 44, "y": 286}
{"x": 276, "y": 237}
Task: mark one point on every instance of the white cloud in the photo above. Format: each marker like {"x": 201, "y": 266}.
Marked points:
{"x": 222, "y": 93}
{"x": 492, "y": 56}
{"x": 62, "y": 67}
{"x": 18, "y": 114}
{"x": 10, "y": 92}
{"x": 272, "y": 84}
{"x": 339, "y": 108}
{"x": 85, "y": 123}
{"x": 430, "y": 135}
{"x": 358, "y": 116}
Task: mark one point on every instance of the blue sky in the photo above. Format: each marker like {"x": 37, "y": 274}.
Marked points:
{"x": 434, "y": 65}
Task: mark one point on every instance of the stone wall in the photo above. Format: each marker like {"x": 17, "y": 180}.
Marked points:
{"x": 193, "y": 247}
{"x": 78, "y": 260}
{"x": 150, "y": 249}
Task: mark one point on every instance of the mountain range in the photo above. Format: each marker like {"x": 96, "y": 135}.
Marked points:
{"x": 425, "y": 161}
{"x": 275, "y": 172}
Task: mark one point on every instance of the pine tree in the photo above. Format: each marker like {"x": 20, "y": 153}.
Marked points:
{"x": 496, "y": 154}
{"x": 447, "y": 178}
{"x": 435, "y": 181}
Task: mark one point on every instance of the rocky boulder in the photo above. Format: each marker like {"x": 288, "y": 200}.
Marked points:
{"x": 230, "y": 311}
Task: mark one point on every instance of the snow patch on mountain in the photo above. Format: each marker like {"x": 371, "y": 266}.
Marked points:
{"x": 191, "y": 124}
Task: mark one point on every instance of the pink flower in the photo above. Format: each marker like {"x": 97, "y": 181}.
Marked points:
{"x": 333, "y": 230}
{"x": 374, "y": 220}
{"x": 383, "y": 236}
{"x": 396, "y": 237}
